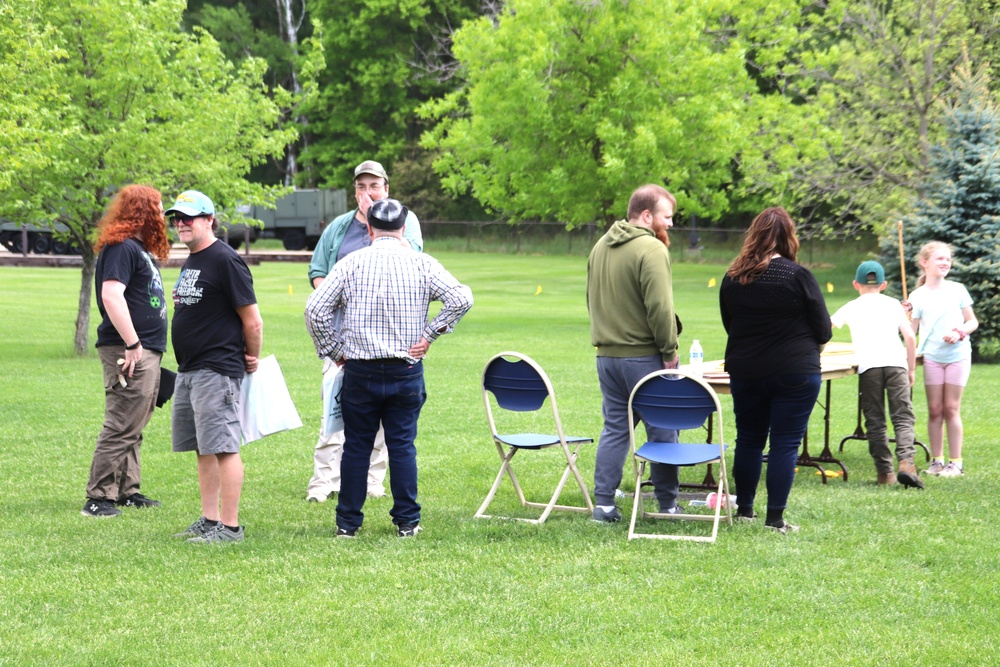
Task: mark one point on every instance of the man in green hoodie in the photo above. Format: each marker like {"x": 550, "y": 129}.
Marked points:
{"x": 632, "y": 325}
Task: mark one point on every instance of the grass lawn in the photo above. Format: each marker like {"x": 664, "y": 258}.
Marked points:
{"x": 877, "y": 576}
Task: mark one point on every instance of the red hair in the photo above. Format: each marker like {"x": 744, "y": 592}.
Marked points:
{"x": 136, "y": 210}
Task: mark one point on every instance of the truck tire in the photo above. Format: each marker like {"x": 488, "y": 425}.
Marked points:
{"x": 294, "y": 239}
{"x": 40, "y": 243}
{"x": 60, "y": 247}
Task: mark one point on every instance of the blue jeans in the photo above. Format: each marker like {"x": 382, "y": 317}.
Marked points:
{"x": 618, "y": 377}
{"x": 392, "y": 394}
{"x": 779, "y": 406}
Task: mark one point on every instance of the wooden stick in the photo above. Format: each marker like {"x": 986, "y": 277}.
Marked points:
{"x": 902, "y": 261}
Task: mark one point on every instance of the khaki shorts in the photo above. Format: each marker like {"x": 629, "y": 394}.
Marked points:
{"x": 206, "y": 416}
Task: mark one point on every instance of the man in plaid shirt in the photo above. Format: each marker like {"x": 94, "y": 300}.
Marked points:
{"x": 385, "y": 290}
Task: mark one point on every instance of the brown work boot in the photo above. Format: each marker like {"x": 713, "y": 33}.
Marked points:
{"x": 908, "y": 475}
{"x": 887, "y": 478}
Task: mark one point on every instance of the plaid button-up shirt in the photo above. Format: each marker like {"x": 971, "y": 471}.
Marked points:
{"x": 385, "y": 291}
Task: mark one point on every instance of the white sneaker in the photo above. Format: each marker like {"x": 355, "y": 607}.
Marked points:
{"x": 951, "y": 470}
{"x": 936, "y": 468}
{"x": 376, "y": 491}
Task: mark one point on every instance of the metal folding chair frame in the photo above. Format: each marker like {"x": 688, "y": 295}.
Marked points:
{"x": 709, "y": 453}
{"x": 533, "y": 383}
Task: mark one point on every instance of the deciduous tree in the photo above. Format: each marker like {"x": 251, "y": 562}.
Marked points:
{"x": 871, "y": 72}
{"x": 114, "y": 92}
{"x": 569, "y": 105}
{"x": 377, "y": 74}
{"x": 281, "y": 33}
{"x": 961, "y": 202}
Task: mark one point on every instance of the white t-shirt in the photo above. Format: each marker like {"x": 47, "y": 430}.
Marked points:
{"x": 939, "y": 311}
{"x": 874, "y": 320}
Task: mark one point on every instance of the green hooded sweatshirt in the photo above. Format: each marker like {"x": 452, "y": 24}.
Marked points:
{"x": 630, "y": 295}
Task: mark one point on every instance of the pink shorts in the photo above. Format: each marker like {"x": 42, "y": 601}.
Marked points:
{"x": 956, "y": 373}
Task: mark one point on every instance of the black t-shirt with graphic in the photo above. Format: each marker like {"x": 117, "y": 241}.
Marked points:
{"x": 206, "y": 331}
{"x": 129, "y": 263}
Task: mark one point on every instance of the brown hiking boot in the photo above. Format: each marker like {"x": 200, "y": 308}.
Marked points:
{"x": 887, "y": 478}
{"x": 908, "y": 475}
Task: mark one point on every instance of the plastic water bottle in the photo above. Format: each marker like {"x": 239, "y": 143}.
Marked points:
{"x": 695, "y": 359}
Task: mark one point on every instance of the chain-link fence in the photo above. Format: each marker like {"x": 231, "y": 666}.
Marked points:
{"x": 553, "y": 237}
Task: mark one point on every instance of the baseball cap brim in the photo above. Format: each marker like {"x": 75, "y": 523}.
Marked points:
{"x": 192, "y": 203}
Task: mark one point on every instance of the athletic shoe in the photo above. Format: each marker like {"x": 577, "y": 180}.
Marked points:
{"x": 602, "y": 516}
{"x": 936, "y": 468}
{"x": 409, "y": 530}
{"x": 745, "y": 518}
{"x": 376, "y": 491}
{"x": 952, "y": 470}
{"x": 344, "y": 532}
{"x": 782, "y": 527}
{"x": 100, "y": 508}
{"x": 320, "y": 498}
{"x": 137, "y": 500}
{"x": 218, "y": 534}
{"x": 197, "y": 529}
{"x": 676, "y": 509}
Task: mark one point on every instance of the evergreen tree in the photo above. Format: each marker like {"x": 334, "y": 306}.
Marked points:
{"x": 961, "y": 204}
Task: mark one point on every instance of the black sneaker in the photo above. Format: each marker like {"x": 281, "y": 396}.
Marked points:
{"x": 137, "y": 500}
{"x": 197, "y": 529}
{"x": 408, "y": 530}
{"x": 344, "y": 532}
{"x": 602, "y": 516}
{"x": 218, "y": 534}
{"x": 100, "y": 508}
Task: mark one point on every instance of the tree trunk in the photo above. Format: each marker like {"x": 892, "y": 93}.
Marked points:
{"x": 289, "y": 27}
{"x": 80, "y": 343}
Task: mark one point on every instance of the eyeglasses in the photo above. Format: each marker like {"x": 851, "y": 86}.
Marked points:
{"x": 181, "y": 219}
{"x": 371, "y": 187}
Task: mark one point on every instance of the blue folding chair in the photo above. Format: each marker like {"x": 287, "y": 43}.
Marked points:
{"x": 518, "y": 384}
{"x": 675, "y": 400}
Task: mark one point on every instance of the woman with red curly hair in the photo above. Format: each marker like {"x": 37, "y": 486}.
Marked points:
{"x": 131, "y": 339}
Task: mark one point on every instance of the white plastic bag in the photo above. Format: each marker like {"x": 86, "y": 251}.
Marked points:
{"x": 265, "y": 405}
{"x": 333, "y": 384}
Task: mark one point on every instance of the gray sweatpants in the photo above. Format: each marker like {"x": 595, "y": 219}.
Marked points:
{"x": 618, "y": 376}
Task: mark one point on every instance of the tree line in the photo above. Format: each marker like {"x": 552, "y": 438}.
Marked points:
{"x": 549, "y": 110}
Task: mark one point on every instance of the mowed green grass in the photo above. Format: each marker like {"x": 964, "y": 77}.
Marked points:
{"x": 877, "y": 576}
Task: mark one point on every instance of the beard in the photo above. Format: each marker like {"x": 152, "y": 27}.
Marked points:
{"x": 661, "y": 234}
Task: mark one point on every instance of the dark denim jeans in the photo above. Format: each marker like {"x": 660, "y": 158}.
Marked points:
{"x": 390, "y": 393}
{"x": 777, "y": 406}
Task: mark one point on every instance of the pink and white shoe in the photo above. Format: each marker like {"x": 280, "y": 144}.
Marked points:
{"x": 952, "y": 470}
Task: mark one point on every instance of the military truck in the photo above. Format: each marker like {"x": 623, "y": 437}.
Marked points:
{"x": 298, "y": 218}
{"x": 40, "y": 239}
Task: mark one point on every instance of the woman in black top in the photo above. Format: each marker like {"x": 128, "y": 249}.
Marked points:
{"x": 777, "y": 321}
{"x": 131, "y": 339}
